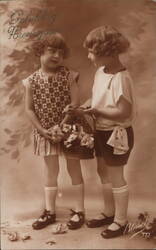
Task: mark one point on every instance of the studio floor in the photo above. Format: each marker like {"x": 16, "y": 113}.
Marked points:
{"x": 83, "y": 238}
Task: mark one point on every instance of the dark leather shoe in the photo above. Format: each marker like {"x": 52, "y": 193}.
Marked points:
{"x": 108, "y": 233}
{"x": 44, "y": 220}
{"x": 100, "y": 222}
{"x": 76, "y": 224}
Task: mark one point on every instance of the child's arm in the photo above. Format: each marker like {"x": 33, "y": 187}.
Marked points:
{"x": 122, "y": 111}
{"x": 75, "y": 96}
{"x": 75, "y": 101}
{"x": 29, "y": 108}
{"x": 80, "y": 110}
{"x": 87, "y": 103}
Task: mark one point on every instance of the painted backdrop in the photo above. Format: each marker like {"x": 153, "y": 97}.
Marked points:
{"x": 21, "y": 172}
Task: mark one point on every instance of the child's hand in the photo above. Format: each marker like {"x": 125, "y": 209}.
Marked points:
{"x": 91, "y": 111}
{"x": 69, "y": 109}
{"x": 79, "y": 111}
{"x": 46, "y": 133}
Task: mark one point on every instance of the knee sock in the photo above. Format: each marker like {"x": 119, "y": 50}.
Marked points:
{"x": 79, "y": 197}
{"x": 109, "y": 208}
{"x": 50, "y": 198}
{"x": 121, "y": 206}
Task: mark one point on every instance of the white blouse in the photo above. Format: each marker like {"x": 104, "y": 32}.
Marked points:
{"x": 106, "y": 92}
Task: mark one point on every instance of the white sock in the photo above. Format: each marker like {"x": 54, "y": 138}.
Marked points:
{"x": 109, "y": 209}
{"x": 121, "y": 206}
{"x": 50, "y": 198}
{"x": 79, "y": 197}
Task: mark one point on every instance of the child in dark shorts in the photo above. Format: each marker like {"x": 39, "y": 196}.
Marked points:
{"x": 106, "y": 151}
{"x": 113, "y": 105}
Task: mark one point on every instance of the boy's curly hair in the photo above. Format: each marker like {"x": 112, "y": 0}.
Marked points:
{"x": 106, "y": 41}
{"x": 55, "y": 40}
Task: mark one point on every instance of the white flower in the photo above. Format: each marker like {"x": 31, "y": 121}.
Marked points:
{"x": 87, "y": 140}
{"x": 56, "y": 133}
{"x": 66, "y": 128}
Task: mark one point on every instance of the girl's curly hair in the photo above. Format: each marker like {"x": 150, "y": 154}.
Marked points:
{"x": 106, "y": 41}
{"x": 55, "y": 40}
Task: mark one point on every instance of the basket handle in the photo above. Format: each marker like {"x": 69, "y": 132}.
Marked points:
{"x": 71, "y": 119}
{"x": 93, "y": 128}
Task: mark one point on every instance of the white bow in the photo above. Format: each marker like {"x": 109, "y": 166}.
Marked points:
{"x": 119, "y": 140}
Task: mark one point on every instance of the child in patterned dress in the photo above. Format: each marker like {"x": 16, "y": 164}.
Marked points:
{"x": 113, "y": 105}
{"x": 48, "y": 91}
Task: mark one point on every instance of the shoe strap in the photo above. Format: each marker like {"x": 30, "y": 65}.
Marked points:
{"x": 46, "y": 213}
{"x": 79, "y": 214}
{"x": 120, "y": 226}
{"x": 105, "y": 216}
{"x": 74, "y": 212}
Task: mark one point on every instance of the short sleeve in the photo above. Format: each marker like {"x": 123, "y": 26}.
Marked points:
{"x": 74, "y": 76}
{"x": 123, "y": 87}
{"x": 74, "y": 87}
{"x": 25, "y": 82}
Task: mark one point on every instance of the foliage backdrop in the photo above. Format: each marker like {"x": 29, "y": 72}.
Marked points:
{"x": 74, "y": 19}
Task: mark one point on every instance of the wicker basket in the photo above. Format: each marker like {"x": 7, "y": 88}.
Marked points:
{"x": 76, "y": 150}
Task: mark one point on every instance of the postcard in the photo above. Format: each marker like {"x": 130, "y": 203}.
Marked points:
{"x": 78, "y": 121}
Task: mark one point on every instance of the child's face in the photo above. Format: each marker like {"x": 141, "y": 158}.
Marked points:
{"x": 92, "y": 57}
{"x": 99, "y": 60}
{"x": 52, "y": 57}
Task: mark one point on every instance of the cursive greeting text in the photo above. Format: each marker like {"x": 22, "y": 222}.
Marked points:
{"x": 19, "y": 20}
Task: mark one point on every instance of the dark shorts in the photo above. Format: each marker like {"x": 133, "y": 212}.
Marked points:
{"x": 102, "y": 149}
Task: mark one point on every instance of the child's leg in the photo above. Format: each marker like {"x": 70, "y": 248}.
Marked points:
{"x": 74, "y": 170}
{"x": 120, "y": 192}
{"x": 107, "y": 216}
{"x": 51, "y": 176}
{"x": 77, "y": 219}
{"x": 102, "y": 170}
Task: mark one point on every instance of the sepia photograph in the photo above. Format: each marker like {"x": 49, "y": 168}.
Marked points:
{"x": 77, "y": 124}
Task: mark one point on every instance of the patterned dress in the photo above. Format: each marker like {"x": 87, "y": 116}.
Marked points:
{"x": 50, "y": 96}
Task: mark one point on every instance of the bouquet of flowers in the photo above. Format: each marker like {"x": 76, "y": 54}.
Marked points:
{"x": 75, "y": 136}
{"x": 78, "y": 138}
{"x": 56, "y": 134}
